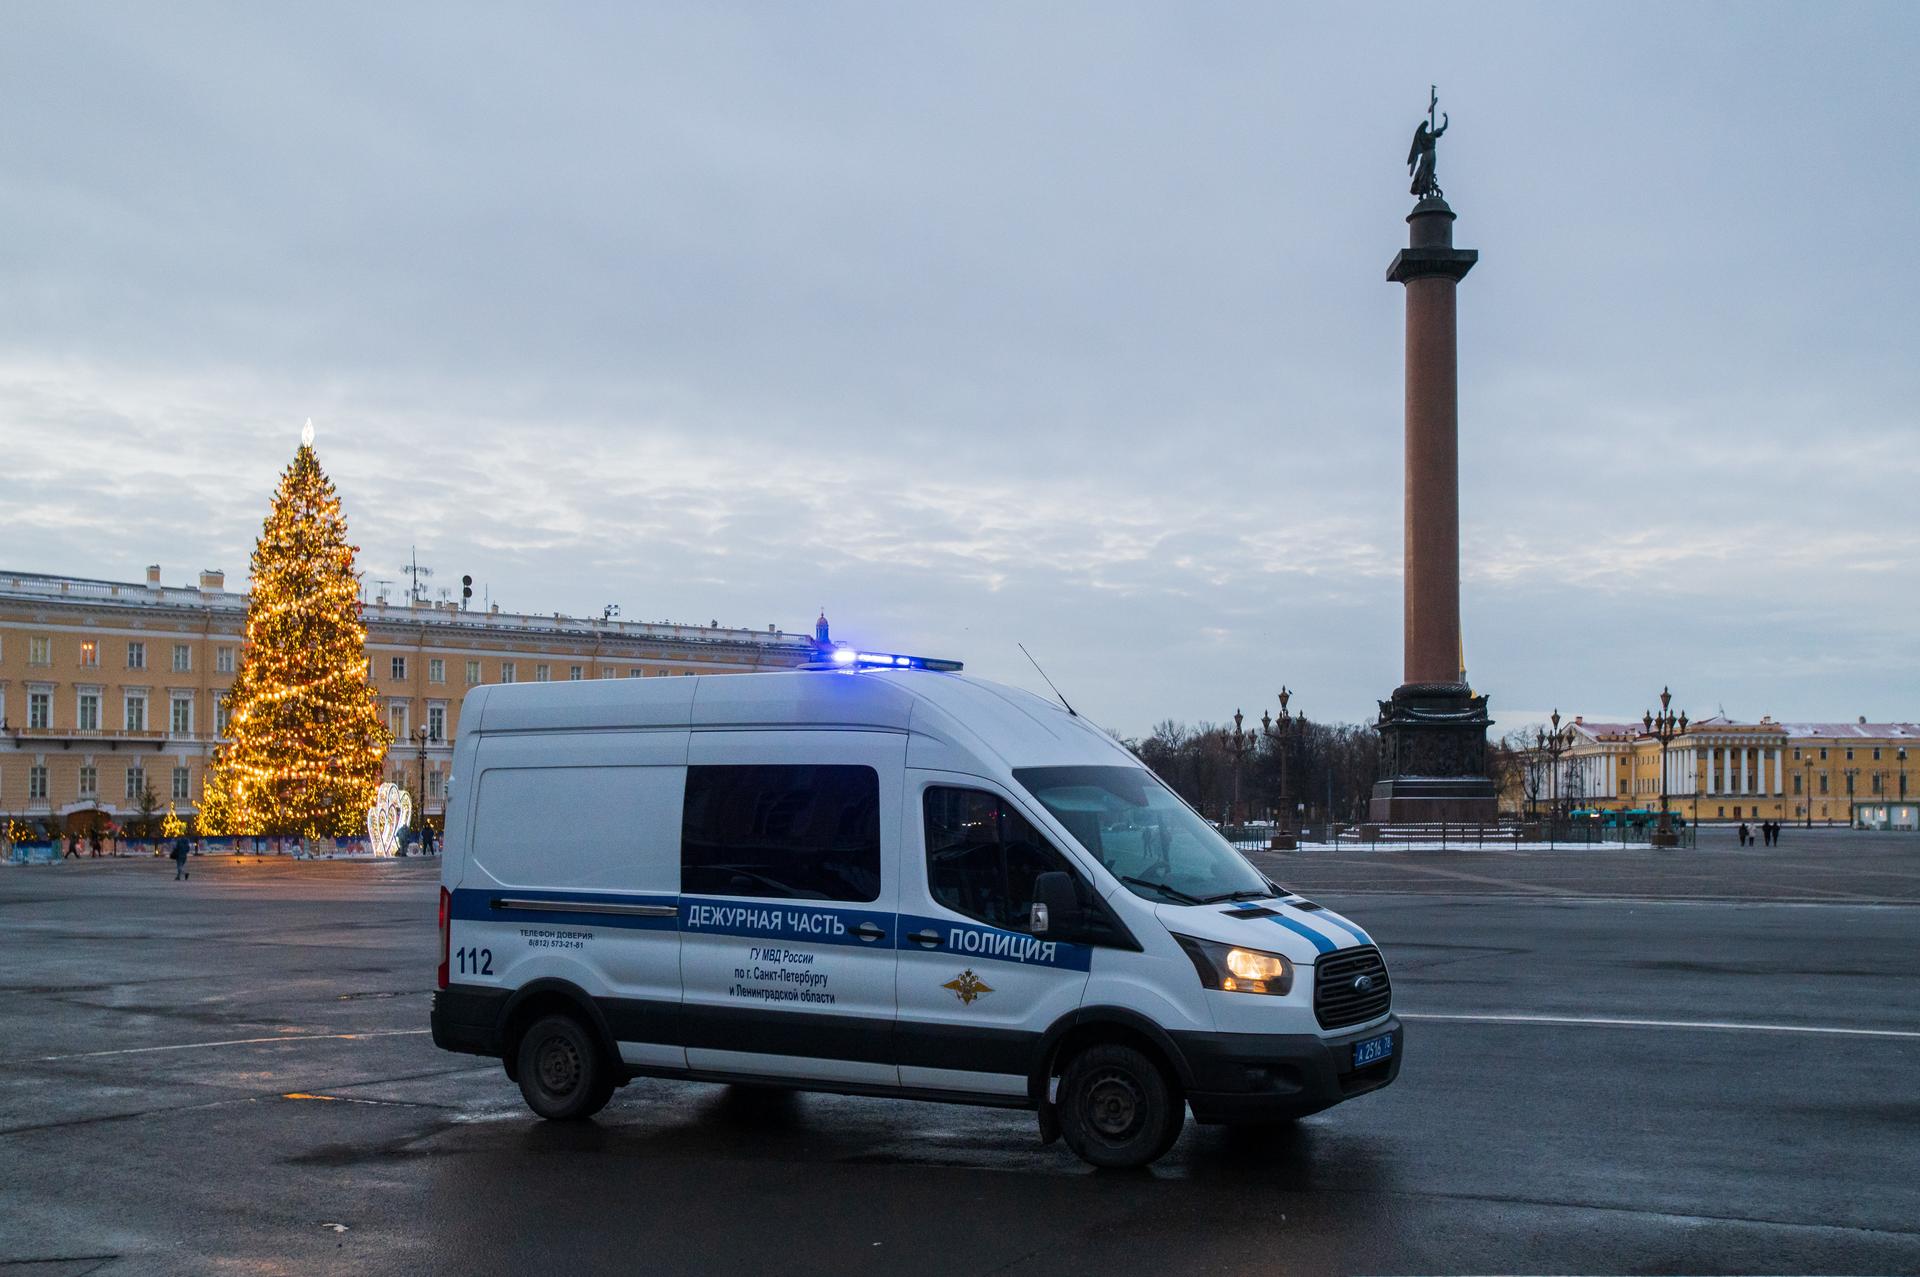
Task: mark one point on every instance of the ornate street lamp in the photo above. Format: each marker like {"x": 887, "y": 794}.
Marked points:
{"x": 1850, "y": 773}
{"x": 1663, "y": 727}
{"x": 1809, "y": 794}
{"x": 1280, "y": 732}
{"x": 1239, "y": 742}
{"x": 1553, "y": 744}
{"x": 421, "y": 735}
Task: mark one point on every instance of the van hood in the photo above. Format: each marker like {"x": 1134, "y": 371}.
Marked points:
{"x": 1294, "y": 927}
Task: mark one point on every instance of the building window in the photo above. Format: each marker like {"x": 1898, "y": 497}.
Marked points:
{"x": 397, "y": 721}
{"x": 1796, "y": 786}
{"x": 222, "y": 714}
{"x": 1823, "y": 753}
{"x": 88, "y": 718}
{"x": 541, "y": 673}
{"x": 1796, "y": 753}
{"x": 436, "y": 670}
{"x": 136, "y": 782}
{"x": 136, "y": 711}
{"x": 435, "y": 784}
{"x": 506, "y": 671}
{"x": 90, "y": 652}
{"x": 635, "y": 672}
{"x": 1849, "y": 753}
{"x": 37, "y": 781}
{"x": 223, "y": 661}
{"x": 473, "y": 673}
{"x": 136, "y": 656}
{"x": 180, "y": 718}
{"x": 436, "y": 722}
{"x": 1823, "y": 782}
{"x": 182, "y": 658}
{"x": 181, "y": 779}
{"x": 608, "y": 672}
{"x": 574, "y": 673}
{"x": 39, "y": 650}
{"x": 89, "y": 781}
{"x": 1876, "y": 782}
{"x": 399, "y": 667}
{"x": 40, "y": 711}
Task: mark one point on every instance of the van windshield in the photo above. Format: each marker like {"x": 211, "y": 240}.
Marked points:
{"x": 1146, "y": 837}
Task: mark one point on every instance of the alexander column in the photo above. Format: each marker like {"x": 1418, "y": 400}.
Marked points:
{"x": 1433, "y": 729}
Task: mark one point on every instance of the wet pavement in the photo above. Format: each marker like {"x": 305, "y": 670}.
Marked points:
{"x": 1699, "y": 1061}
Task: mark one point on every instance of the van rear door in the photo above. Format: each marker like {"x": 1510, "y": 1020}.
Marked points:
{"x": 788, "y": 904}
{"x": 573, "y": 876}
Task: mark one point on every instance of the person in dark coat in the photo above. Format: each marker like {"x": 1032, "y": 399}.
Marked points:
{"x": 93, "y": 840}
{"x": 180, "y": 858}
{"x": 73, "y": 847}
{"x": 426, "y": 840}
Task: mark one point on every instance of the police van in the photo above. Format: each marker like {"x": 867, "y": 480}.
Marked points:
{"x": 882, "y": 878}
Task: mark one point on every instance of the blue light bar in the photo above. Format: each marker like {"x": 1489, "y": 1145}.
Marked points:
{"x": 851, "y": 658}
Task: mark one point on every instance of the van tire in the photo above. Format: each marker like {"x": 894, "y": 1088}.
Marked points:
{"x": 563, "y": 1074}
{"x": 1117, "y": 1108}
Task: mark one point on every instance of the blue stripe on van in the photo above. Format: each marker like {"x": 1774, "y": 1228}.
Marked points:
{"x": 964, "y": 940}
{"x": 1320, "y": 942}
{"x": 1334, "y": 919}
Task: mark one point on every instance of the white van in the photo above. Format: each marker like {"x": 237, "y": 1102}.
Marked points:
{"x": 885, "y": 879}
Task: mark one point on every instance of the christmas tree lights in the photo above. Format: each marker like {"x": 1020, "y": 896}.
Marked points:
{"x": 305, "y": 744}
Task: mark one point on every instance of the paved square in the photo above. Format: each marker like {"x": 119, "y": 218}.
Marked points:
{"x": 1697, "y": 1061}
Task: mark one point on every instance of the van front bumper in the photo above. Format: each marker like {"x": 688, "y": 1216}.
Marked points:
{"x": 1264, "y": 1077}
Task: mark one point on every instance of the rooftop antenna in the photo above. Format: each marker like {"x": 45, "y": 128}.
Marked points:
{"x": 416, "y": 592}
{"x": 1043, "y": 674}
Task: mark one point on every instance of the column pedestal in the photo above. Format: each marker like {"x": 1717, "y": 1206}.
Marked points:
{"x": 1433, "y": 749}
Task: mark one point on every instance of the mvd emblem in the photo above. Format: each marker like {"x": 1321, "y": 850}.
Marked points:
{"x": 967, "y": 986}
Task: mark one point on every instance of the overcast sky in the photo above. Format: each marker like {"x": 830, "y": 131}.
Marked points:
{"x": 974, "y": 324}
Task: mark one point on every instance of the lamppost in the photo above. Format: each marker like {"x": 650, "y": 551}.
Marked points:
{"x": 1850, "y": 773}
{"x": 1900, "y": 755}
{"x": 1809, "y": 794}
{"x": 1553, "y": 744}
{"x": 420, "y": 735}
{"x": 1280, "y": 732}
{"x": 1663, "y": 727}
{"x": 1239, "y": 742}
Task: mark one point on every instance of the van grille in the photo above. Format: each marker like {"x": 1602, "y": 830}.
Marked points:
{"x": 1336, "y": 1003}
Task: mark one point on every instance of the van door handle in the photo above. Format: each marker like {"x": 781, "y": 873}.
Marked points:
{"x": 869, "y": 932}
{"x": 927, "y": 939}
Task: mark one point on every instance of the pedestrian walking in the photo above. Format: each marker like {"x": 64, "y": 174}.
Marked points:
{"x": 93, "y": 840}
{"x": 180, "y": 858}
{"x": 1746, "y": 835}
{"x": 426, "y": 840}
{"x": 1773, "y": 833}
{"x": 73, "y": 847}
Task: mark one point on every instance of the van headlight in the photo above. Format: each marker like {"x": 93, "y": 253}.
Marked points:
{"x": 1230, "y": 968}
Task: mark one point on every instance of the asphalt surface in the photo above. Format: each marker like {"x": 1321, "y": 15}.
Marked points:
{"x": 1698, "y": 1061}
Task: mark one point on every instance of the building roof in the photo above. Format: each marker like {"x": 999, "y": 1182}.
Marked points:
{"x": 39, "y": 587}
{"x": 1856, "y": 730}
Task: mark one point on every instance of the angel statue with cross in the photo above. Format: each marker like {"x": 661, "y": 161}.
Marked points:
{"x": 1420, "y": 157}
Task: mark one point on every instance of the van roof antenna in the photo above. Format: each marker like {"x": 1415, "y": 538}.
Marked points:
{"x": 1043, "y": 674}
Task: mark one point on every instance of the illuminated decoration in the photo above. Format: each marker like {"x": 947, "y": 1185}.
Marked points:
{"x": 305, "y": 742}
{"x": 171, "y": 825}
{"x": 391, "y": 812}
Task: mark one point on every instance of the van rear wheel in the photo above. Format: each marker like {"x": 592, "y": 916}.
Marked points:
{"x": 563, "y": 1074}
{"x": 1117, "y": 1108}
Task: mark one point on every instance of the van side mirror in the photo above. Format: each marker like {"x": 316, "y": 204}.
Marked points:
{"x": 1056, "y": 904}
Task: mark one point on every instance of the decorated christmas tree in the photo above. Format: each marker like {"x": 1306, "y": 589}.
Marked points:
{"x": 305, "y": 742}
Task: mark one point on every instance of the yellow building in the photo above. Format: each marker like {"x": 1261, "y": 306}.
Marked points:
{"x": 109, "y": 689}
{"x": 1857, "y": 773}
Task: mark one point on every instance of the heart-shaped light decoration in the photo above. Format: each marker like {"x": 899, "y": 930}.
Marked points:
{"x": 391, "y": 812}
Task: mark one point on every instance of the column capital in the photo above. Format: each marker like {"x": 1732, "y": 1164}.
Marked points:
{"x": 1427, "y": 263}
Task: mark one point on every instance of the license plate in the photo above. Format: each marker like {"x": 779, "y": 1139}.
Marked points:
{"x": 1373, "y": 1050}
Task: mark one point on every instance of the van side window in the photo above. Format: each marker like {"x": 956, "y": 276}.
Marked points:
{"x": 782, "y": 832}
{"x": 982, "y": 856}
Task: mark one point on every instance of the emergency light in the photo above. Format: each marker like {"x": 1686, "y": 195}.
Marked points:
{"x": 845, "y": 658}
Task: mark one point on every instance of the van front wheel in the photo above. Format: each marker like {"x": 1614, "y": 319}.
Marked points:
{"x": 563, "y": 1075}
{"x": 1117, "y": 1108}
